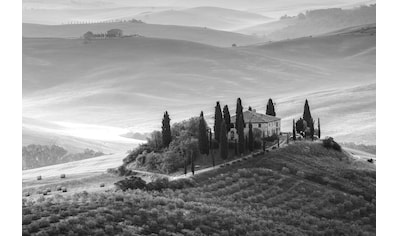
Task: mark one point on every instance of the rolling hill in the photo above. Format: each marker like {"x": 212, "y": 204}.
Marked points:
{"x": 194, "y": 34}
{"x": 302, "y": 189}
{"x": 210, "y": 17}
{"x": 137, "y": 79}
{"x": 314, "y": 22}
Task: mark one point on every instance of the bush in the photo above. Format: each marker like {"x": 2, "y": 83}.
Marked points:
{"x": 62, "y": 176}
{"x": 131, "y": 183}
{"x": 329, "y": 143}
{"x": 272, "y": 138}
{"x": 39, "y": 177}
{"x": 102, "y": 185}
{"x": 300, "y": 174}
{"x": 59, "y": 188}
{"x": 285, "y": 170}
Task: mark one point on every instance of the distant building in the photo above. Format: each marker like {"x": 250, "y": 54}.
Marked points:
{"x": 268, "y": 125}
{"x": 114, "y": 33}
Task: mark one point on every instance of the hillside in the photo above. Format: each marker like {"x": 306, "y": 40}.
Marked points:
{"x": 189, "y": 77}
{"x": 314, "y": 22}
{"x": 49, "y": 133}
{"x": 194, "y": 34}
{"x": 210, "y": 17}
{"x": 303, "y": 189}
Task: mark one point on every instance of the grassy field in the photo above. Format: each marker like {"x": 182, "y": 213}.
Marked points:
{"x": 335, "y": 72}
{"x": 303, "y": 189}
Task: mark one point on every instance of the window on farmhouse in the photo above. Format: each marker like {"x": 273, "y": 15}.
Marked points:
{"x": 259, "y": 125}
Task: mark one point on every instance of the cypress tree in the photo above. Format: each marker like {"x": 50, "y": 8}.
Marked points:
{"x": 312, "y": 129}
{"x": 318, "y": 128}
{"x": 226, "y": 117}
{"x": 192, "y": 162}
{"x": 238, "y": 110}
{"x": 250, "y": 138}
{"x": 218, "y": 121}
{"x": 240, "y": 132}
{"x": 203, "y": 142}
{"x": 166, "y": 133}
{"x": 223, "y": 142}
{"x": 307, "y": 116}
{"x": 270, "y": 108}
{"x": 211, "y": 147}
{"x": 240, "y": 126}
{"x": 293, "y": 130}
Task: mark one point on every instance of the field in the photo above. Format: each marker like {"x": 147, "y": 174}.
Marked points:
{"x": 303, "y": 189}
{"x": 329, "y": 70}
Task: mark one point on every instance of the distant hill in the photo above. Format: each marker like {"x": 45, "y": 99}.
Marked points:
{"x": 190, "y": 76}
{"x": 210, "y": 17}
{"x": 194, "y": 34}
{"x": 34, "y": 156}
{"x": 314, "y": 22}
{"x": 47, "y": 134}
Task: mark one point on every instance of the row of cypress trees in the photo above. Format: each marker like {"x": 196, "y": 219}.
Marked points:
{"x": 222, "y": 126}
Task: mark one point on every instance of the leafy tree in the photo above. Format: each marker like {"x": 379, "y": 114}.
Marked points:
{"x": 218, "y": 121}
{"x": 227, "y": 118}
{"x": 318, "y": 128}
{"x": 166, "y": 133}
{"x": 250, "y": 138}
{"x": 270, "y": 108}
{"x": 293, "y": 130}
{"x": 203, "y": 141}
{"x": 301, "y": 126}
{"x": 223, "y": 141}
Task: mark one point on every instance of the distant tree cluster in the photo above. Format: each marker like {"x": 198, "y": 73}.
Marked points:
{"x": 305, "y": 125}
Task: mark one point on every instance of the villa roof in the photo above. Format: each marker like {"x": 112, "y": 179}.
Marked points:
{"x": 254, "y": 117}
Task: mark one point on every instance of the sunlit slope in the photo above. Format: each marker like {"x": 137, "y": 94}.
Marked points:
{"x": 87, "y": 167}
{"x": 130, "y": 82}
{"x": 194, "y": 34}
{"x": 210, "y": 17}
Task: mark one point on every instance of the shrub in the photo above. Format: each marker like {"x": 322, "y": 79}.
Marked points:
{"x": 102, "y": 185}
{"x": 329, "y": 143}
{"x": 59, "y": 188}
{"x": 62, "y": 176}
{"x": 64, "y": 189}
{"x": 39, "y": 177}
{"x": 285, "y": 170}
{"x": 300, "y": 173}
{"x": 132, "y": 182}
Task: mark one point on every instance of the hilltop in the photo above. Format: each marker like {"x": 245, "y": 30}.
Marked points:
{"x": 210, "y": 17}
{"x": 314, "y": 22}
{"x": 194, "y": 34}
{"x": 302, "y": 189}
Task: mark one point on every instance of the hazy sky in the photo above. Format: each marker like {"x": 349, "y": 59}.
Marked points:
{"x": 233, "y": 4}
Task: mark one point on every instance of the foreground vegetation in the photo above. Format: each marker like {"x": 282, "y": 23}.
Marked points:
{"x": 303, "y": 189}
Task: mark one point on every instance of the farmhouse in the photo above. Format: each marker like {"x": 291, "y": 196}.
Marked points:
{"x": 266, "y": 124}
